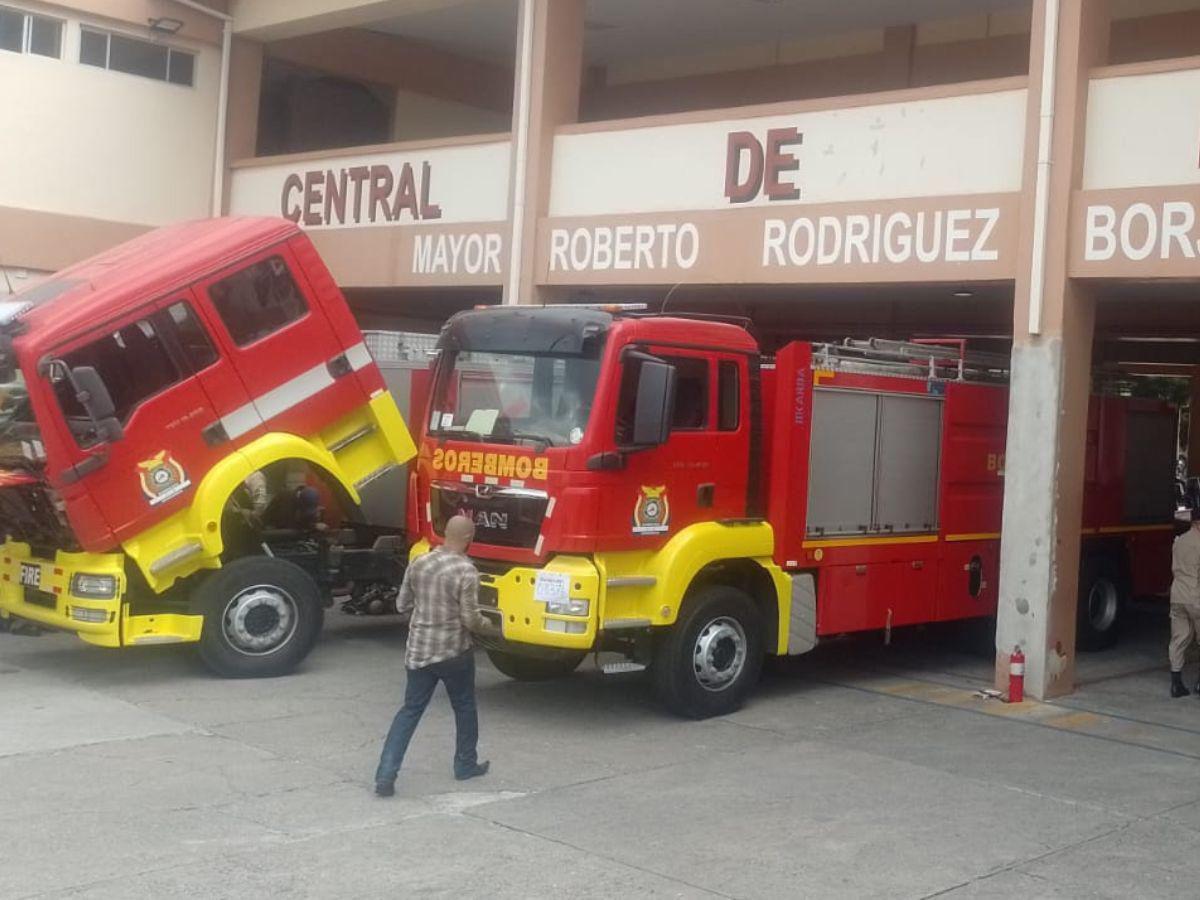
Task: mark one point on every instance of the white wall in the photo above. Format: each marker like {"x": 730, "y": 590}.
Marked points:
{"x": 83, "y": 141}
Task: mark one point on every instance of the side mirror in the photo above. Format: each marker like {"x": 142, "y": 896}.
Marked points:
{"x": 92, "y": 394}
{"x": 655, "y": 404}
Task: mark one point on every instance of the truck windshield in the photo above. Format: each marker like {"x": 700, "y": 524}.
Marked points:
{"x": 20, "y": 441}
{"x": 512, "y": 397}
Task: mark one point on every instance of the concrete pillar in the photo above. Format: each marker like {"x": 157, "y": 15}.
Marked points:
{"x": 245, "y": 91}
{"x": 1051, "y": 368}
{"x": 548, "y": 75}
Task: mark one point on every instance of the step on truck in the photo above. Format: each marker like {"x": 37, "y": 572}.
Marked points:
{"x": 187, "y": 425}
{"x": 656, "y": 486}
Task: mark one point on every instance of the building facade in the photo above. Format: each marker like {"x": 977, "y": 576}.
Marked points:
{"x": 1023, "y": 174}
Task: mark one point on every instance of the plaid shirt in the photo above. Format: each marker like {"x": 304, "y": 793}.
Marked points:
{"x": 440, "y": 589}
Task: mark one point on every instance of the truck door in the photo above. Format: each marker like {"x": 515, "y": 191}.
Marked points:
{"x": 153, "y": 363}
{"x": 281, "y": 345}
{"x": 700, "y": 473}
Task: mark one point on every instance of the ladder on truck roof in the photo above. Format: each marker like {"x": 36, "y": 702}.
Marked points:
{"x": 936, "y": 360}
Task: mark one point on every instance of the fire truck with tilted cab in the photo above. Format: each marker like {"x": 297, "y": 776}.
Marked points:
{"x": 142, "y": 392}
{"x": 654, "y": 485}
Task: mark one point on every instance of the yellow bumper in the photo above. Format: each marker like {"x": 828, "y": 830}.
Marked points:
{"x": 40, "y": 590}
{"x": 525, "y": 619}
{"x": 511, "y": 601}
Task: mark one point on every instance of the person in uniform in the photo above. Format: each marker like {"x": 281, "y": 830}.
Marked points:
{"x": 1185, "y": 601}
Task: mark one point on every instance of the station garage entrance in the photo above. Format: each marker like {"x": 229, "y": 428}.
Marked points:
{"x": 1145, "y": 347}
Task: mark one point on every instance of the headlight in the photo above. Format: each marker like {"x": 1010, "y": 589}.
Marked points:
{"x": 571, "y": 607}
{"x": 94, "y": 616}
{"x": 98, "y": 587}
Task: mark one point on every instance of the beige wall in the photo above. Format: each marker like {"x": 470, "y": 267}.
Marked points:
{"x": 86, "y": 142}
{"x": 418, "y": 117}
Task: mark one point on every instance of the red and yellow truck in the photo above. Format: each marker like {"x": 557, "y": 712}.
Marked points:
{"x": 655, "y": 485}
{"x": 140, "y": 392}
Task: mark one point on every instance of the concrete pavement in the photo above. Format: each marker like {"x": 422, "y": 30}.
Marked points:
{"x": 859, "y": 771}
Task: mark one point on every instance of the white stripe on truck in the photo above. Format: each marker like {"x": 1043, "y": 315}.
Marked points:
{"x": 290, "y": 394}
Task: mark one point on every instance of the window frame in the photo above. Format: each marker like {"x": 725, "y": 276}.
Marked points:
{"x": 670, "y": 355}
{"x": 27, "y": 19}
{"x": 107, "y": 67}
{"x": 276, "y": 252}
{"x": 734, "y": 366}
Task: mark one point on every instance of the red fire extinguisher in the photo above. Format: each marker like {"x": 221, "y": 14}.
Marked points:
{"x": 1016, "y": 676}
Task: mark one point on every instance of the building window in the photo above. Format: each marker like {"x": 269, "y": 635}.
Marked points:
{"x": 121, "y": 53}
{"x": 22, "y": 32}
{"x": 258, "y": 301}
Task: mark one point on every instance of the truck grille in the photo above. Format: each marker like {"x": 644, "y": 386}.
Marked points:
{"x": 503, "y": 516}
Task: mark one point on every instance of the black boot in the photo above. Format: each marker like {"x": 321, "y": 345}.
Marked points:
{"x": 1177, "y": 688}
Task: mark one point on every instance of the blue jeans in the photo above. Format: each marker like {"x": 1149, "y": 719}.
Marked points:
{"x": 458, "y": 674}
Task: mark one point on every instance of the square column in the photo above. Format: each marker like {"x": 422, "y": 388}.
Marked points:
{"x": 1054, "y": 320}
{"x": 549, "y": 72}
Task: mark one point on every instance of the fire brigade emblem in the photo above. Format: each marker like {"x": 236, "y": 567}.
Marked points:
{"x": 652, "y": 512}
{"x": 162, "y": 478}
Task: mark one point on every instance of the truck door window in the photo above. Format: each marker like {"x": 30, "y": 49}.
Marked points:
{"x": 691, "y": 395}
{"x": 259, "y": 300}
{"x": 728, "y": 396}
{"x": 135, "y": 365}
{"x": 193, "y": 342}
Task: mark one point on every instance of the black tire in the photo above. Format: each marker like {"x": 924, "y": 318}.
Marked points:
{"x": 1101, "y": 606}
{"x": 697, "y": 670}
{"x": 536, "y": 668}
{"x": 261, "y": 617}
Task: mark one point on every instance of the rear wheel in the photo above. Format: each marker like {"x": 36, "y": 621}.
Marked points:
{"x": 536, "y": 668}
{"x": 261, "y": 617}
{"x": 1101, "y": 603}
{"x": 709, "y": 661}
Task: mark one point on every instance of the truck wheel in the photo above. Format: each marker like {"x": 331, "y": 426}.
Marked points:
{"x": 1101, "y": 602}
{"x": 261, "y": 617}
{"x": 708, "y": 662}
{"x": 535, "y": 668}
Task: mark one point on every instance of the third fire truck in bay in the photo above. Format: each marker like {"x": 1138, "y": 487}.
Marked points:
{"x": 654, "y": 485}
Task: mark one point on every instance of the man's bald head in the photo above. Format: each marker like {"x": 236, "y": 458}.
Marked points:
{"x": 460, "y": 531}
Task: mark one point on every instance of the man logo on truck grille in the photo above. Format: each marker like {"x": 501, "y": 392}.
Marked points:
{"x": 162, "y": 478}
{"x": 652, "y": 512}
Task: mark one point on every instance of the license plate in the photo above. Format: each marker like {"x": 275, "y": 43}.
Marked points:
{"x": 31, "y": 575}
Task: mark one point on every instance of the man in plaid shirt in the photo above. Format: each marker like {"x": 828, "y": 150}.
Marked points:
{"x": 440, "y": 590}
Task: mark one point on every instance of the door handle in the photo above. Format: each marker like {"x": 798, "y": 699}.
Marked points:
{"x": 704, "y": 494}
{"x": 80, "y": 470}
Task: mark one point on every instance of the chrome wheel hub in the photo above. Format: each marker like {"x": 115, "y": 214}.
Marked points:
{"x": 719, "y": 655}
{"x": 260, "y": 619}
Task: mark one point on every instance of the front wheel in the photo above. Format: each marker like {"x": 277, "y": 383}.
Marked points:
{"x": 261, "y": 617}
{"x": 536, "y": 668}
{"x": 1101, "y": 602}
{"x": 712, "y": 657}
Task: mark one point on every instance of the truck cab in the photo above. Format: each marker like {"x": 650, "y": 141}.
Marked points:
{"x": 607, "y": 460}
{"x": 140, "y": 390}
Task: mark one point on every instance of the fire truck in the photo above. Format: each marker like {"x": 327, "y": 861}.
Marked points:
{"x": 656, "y": 486}
{"x": 150, "y": 398}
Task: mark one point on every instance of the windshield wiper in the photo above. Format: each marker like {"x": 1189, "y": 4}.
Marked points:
{"x": 541, "y": 441}
{"x": 445, "y": 434}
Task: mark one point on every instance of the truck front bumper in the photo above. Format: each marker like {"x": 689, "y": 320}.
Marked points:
{"x": 510, "y": 598}
{"x": 69, "y": 593}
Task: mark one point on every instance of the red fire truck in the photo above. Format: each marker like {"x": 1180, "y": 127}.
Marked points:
{"x": 653, "y": 485}
{"x": 150, "y": 398}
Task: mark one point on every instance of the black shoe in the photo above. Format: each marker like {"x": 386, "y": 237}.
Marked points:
{"x": 385, "y": 789}
{"x": 1177, "y": 688}
{"x": 474, "y": 772}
